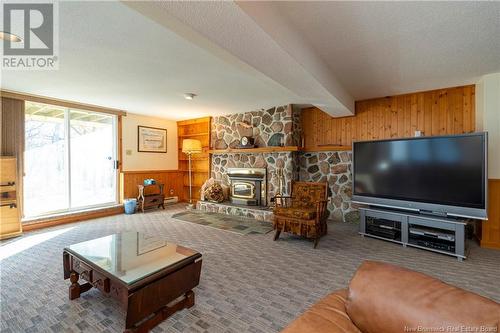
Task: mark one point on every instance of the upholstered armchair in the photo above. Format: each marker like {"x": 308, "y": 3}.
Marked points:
{"x": 304, "y": 212}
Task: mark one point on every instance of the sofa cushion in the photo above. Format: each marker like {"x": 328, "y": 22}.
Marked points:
{"x": 391, "y": 299}
{"x": 326, "y": 316}
{"x": 296, "y": 212}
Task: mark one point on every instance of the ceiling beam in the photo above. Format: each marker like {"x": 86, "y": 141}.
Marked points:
{"x": 256, "y": 39}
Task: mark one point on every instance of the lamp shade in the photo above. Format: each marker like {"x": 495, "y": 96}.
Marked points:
{"x": 191, "y": 146}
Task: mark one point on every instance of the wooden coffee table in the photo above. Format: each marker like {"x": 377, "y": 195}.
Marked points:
{"x": 150, "y": 277}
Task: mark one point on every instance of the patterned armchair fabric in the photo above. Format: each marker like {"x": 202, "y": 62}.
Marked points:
{"x": 305, "y": 194}
{"x": 297, "y": 212}
{"x": 304, "y": 213}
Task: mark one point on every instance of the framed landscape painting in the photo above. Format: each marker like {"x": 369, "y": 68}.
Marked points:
{"x": 151, "y": 139}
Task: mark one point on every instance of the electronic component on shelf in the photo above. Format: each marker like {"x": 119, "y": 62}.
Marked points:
{"x": 384, "y": 228}
{"x": 428, "y": 232}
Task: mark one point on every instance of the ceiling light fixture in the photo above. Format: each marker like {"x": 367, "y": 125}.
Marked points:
{"x": 189, "y": 96}
{"x": 10, "y": 37}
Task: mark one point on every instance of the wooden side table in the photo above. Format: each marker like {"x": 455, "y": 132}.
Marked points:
{"x": 150, "y": 200}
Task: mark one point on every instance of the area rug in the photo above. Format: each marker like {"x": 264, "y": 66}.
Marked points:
{"x": 238, "y": 224}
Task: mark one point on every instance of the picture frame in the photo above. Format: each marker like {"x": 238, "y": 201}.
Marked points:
{"x": 151, "y": 139}
{"x": 149, "y": 243}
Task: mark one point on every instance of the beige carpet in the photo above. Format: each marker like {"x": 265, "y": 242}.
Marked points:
{"x": 249, "y": 283}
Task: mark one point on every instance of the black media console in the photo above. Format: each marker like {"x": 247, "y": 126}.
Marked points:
{"x": 438, "y": 234}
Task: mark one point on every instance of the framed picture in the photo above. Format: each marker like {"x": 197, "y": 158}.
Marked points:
{"x": 148, "y": 243}
{"x": 151, "y": 139}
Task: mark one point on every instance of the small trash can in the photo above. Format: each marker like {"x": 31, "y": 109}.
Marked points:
{"x": 130, "y": 205}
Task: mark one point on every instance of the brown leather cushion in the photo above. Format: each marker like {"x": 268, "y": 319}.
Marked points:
{"x": 387, "y": 298}
{"x": 295, "y": 212}
{"x": 326, "y": 316}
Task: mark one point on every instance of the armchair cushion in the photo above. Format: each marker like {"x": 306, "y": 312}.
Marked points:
{"x": 305, "y": 194}
{"x": 296, "y": 212}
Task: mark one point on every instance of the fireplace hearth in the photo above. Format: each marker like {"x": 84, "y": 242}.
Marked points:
{"x": 248, "y": 186}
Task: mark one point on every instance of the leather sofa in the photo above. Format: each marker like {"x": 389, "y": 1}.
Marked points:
{"x": 383, "y": 298}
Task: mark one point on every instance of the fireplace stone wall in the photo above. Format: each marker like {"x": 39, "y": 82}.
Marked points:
{"x": 281, "y": 126}
{"x": 276, "y": 126}
{"x": 270, "y": 161}
{"x": 336, "y": 169}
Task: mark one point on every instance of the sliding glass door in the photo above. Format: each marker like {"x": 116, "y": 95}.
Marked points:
{"x": 70, "y": 159}
{"x": 45, "y": 160}
{"x": 92, "y": 151}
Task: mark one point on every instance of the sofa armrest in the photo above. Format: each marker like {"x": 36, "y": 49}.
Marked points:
{"x": 326, "y": 316}
{"x": 406, "y": 300}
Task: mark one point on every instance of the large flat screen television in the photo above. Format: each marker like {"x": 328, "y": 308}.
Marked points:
{"x": 443, "y": 175}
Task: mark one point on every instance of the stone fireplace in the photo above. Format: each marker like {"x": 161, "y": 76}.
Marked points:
{"x": 248, "y": 186}
{"x": 270, "y": 128}
{"x": 286, "y": 161}
{"x": 275, "y": 127}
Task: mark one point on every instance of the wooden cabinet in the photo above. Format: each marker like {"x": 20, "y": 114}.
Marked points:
{"x": 10, "y": 223}
{"x": 490, "y": 230}
{"x": 150, "y": 200}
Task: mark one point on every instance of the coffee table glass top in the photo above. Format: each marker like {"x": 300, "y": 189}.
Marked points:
{"x": 131, "y": 256}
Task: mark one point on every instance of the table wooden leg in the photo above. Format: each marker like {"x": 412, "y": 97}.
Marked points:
{"x": 74, "y": 288}
{"x": 162, "y": 314}
{"x": 189, "y": 303}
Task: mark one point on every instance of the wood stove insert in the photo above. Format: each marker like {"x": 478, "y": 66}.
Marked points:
{"x": 248, "y": 186}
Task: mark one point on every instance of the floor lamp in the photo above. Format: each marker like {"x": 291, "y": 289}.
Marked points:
{"x": 190, "y": 147}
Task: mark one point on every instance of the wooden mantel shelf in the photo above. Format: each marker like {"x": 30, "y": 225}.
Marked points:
{"x": 278, "y": 149}
{"x": 254, "y": 150}
{"x": 326, "y": 148}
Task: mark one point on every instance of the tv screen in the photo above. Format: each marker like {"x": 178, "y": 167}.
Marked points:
{"x": 444, "y": 171}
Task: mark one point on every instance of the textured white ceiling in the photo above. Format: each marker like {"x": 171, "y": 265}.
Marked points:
{"x": 111, "y": 55}
{"x": 272, "y": 48}
{"x": 143, "y": 56}
{"x": 385, "y": 48}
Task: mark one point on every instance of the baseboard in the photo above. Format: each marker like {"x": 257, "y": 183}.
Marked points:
{"x": 490, "y": 245}
{"x": 76, "y": 217}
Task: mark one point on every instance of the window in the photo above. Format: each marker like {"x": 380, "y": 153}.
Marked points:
{"x": 70, "y": 159}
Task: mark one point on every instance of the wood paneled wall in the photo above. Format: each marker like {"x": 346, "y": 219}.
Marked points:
{"x": 172, "y": 179}
{"x": 436, "y": 112}
{"x": 490, "y": 236}
{"x": 198, "y": 129}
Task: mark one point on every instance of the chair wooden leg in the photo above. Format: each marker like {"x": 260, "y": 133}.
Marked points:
{"x": 277, "y": 234}
{"x": 316, "y": 241}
